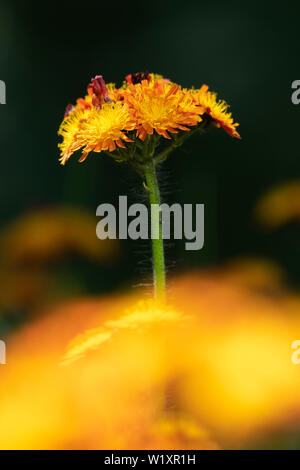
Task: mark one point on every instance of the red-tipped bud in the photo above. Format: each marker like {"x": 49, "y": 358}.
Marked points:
{"x": 98, "y": 91}
{"x": 69, "y": 109}
{"x": 81, "y": 102}
{"x": 134, "y": 78}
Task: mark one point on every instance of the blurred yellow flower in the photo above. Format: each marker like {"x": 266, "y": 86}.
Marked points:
{"x": 214, "y": 367}
{"x": 50, "y": 233}
{"x": 32, "y": 242}
{"x": 279, "y": 205}
{"x": 143, "y": 315}
{"x": 254, "y": 273}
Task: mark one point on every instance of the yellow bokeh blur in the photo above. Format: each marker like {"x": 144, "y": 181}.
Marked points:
{"x": 212, "y": 369}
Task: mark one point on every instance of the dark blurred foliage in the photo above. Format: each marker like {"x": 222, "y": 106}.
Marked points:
{"x": 247, "y": 51}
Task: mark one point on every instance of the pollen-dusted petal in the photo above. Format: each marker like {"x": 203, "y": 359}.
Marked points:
{"x": 143, "y": 315}
{"x": 163, "y": 133}
{"x": 83, "y": 156}
{"x": 69, "y": 129}
{"x": 120, "y": 144}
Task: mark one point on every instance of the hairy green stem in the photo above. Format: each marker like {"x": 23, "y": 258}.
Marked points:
{"x": 159, "y": 271}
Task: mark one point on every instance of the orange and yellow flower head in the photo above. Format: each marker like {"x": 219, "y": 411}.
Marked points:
{"x": 161, "y": 106}
{"x": 217, "y": 110}
{"x": 118, "y": 120}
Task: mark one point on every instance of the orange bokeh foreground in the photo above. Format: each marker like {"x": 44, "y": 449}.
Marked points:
{"x": 215, "y": 366}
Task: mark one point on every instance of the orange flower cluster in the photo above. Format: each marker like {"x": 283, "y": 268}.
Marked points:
{"x": 111, "y": 118}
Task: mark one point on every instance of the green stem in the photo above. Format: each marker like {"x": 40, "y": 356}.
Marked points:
{"x": 175, "y": 143}
{"x": 159, "y": 272}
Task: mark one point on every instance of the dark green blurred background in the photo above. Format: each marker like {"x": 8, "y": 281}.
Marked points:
{"x": 248, "y": 52}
